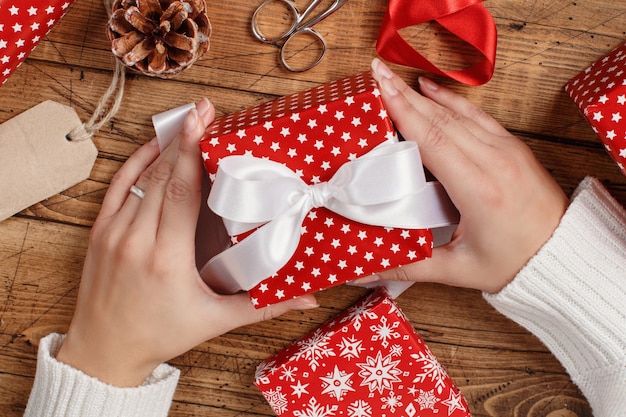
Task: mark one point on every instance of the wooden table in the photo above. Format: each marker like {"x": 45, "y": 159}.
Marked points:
{"x": 502, "y": 369}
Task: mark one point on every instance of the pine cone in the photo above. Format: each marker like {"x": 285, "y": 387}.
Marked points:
{"x": 159, "y": 38}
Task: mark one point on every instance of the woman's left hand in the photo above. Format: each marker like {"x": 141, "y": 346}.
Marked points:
{"x": 141, "y": 300}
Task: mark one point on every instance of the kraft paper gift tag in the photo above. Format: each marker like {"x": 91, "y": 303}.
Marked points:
{"x": 37, "y": 160}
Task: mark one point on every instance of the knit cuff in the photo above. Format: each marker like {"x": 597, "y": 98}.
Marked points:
{"x": 572, "y": 294}
{"x": 60, "y": 390}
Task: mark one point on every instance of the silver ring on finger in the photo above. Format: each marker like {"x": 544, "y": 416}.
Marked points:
{"x": 137, "y": 191}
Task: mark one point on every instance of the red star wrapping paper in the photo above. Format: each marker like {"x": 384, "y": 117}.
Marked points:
{"x": 366, "y": 362}
{"x": 313, "y": 133}
{"x": 600, "y": 94}
{"x": 23, "y": 24}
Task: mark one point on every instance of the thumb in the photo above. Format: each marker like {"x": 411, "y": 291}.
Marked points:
{"x": 440, "y": 268}
{"x": 241, "y": 311}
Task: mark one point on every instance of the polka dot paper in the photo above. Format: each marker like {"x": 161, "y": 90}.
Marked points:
{"x": 313, "y": 133}
{"x": 600, "y": 94}
{"x": 23, "y": 24}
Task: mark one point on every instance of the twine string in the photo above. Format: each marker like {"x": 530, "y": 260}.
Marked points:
{"x": 101, "y": 115}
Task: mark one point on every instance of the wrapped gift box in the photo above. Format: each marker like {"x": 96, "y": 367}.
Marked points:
{"x": 314, "y": 133}
{"x": 23, "y": 24}
{"x": 600, "y": 94}
{"x": 368, "y": 361}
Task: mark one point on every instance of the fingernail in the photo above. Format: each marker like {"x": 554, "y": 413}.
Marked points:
{"x": 190, "y": 121}
{"x": 428, "y": 84}
{"x": 367, "y": 280}
{"x": 387, "y": 86}
{"x": 381, "y": 69}
{"x": 304, "y": 303}
{"x": 203, "y": 106}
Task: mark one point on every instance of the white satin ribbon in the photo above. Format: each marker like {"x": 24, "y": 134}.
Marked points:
{"x": 168, "y": 124}
{"x": 385, "y": 187}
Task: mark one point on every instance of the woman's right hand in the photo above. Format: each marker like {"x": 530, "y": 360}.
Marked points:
{"x": 509, "y": 203}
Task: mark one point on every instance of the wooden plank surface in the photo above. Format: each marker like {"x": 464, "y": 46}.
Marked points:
{"x": 502, "y": 369}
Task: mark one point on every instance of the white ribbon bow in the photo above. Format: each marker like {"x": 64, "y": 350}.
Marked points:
{"x": 385, "y": 187}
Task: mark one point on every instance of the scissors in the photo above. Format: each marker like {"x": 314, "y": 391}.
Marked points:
{"x": 300, "y": 25}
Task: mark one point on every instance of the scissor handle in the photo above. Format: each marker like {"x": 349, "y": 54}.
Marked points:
{"x": 312, "y": 32}
{"x": 274, "y": 41}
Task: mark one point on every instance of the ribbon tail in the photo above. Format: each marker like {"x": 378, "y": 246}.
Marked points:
{"x": 258, "y": 256}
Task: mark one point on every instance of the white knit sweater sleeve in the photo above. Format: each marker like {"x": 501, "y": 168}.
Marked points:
{"x": 572, "y": 296}
{"x": 60, "y": 390}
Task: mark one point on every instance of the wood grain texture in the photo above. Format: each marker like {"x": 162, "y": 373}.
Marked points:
{"x": 501, "y": 368}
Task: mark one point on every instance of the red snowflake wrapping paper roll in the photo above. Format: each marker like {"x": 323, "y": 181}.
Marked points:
{"x": 366, "y": 362}
{"x": 23, "y": 24}
{"x": 315, "y": 134}
{"x": 599, "y": 92}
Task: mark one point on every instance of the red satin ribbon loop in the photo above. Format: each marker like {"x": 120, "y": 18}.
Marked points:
{"x": 469, "y": 20}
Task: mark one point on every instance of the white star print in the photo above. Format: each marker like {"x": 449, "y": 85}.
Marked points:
{"x": 275, "y": 146}
{"x": 289, "y": 280}
{"x": 3, "y": 44}
{"x": 422, "y": 240}
{"x": 362, "y": 234}
{"x": 345, "y": 228}
{"x": 299, "y": 389}
{"x": 294, "y": 118}
{"x": 19, "y": 43}
{"x": 352, "y": 249}
{"x": 342, "y": 264}
{"x": 329, "y": 221}
{"x": 322, "y": 109}
{"x": 268, "y": 125}
{"x": 411, "y": 255}
{"x": 306, "y": 286}
{"x": 336, "y": 150}
{"x": 292, "y": 152}
{"x": 378, "y": 241}
{"x": 356, "y": 121}
{"x": 301, "y": 138}
{"x": 345, "y": 136}
{"x": 5, "y": 59}
{"x": 454, "y": 402}
{"x": 32, "y": 11}
{"x": 616, "y": 117}
{"x": 50, "y": 10}
{"x": 14, "y": 10}
{"x": 332, "y": 278}
{"x": 368, "y": 256}
{"x": 34, "y": 26}
{"x": 325, "y": 258}
{"x": 280, "y": 294}
{"x": 603, "y": 99}
{"x": 17, "y": 27}
{"x": 329, "y": 130}
{"x": 385, "y": 263}
{"x": 241, "y": 133}
{"x": 319, "y": 144}
{"x": 366, "y": 107}
{"x": 299, "y": 265}
{"x": 308, "y": 159}
{"x": 349, "y": 100}
{"x": 325, "y": 165}
{"x": 284, "y": 132}
{"x": 263, "y": 287}
{"x": 319, "y": 236}
{"x": 621, "y": 99}
{"x": 339, "y": 115}
{"x": 308, "y": 251}
{"x": 231, "y": 147}
{"x": 373, "y": 129}
{"x": 336, "y": 243}
{"x": 312, "y": 123}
